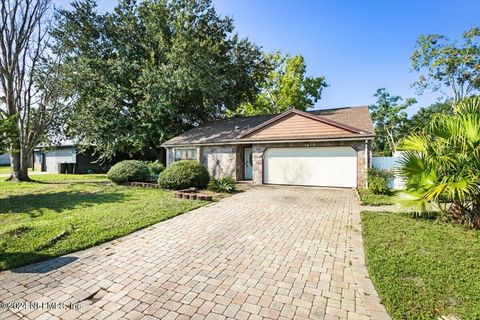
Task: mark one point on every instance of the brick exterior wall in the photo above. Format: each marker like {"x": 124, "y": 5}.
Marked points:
{"x": 220, "y": 161}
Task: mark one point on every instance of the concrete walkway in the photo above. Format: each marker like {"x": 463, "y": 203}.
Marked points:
{"x": 270, "y": 252}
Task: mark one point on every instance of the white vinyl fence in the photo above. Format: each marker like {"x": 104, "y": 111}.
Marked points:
{"x": 389, "y": 163}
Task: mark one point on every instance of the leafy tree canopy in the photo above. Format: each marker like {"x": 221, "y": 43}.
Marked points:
{"x": 146, "y": 72}
{"x": 389, "y": 118}
{"x": 286, "y": 86}
{"x": 6, "y": 132}
{"x": 426, "y": 115}
{"x": 446, "y": 64}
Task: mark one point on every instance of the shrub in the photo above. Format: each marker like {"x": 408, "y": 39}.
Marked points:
{"x": 379, "y": 180}
{"x": 156, "y": 167}
{"x": 225, "y": 184}
{"x": 129, "y": 171}
{"x": 441, "y": 165}
{"x": 184, "y": 174}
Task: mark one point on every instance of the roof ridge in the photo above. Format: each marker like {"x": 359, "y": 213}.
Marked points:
{"x": 276, "y": 114}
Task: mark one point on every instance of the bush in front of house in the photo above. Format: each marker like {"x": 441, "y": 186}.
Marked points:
{"x": 225, "y": 184}
{"x": 156, "y": 167}
{"x": 184, "y": 174}
{"x": 129, "y": 171}
{"x": 379, "y": 180}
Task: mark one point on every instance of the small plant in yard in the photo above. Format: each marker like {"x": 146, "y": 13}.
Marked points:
{"x": 441, "y": 165}
{"x": 184, "y": 174}
{"x": 379, "y": 180}
{"x": 156, "y": 167}
{"x": 129, "y": 171}
{"x": 224, "y": 184}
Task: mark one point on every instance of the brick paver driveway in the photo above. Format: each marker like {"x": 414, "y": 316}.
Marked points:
{"x": 270, "y": 252}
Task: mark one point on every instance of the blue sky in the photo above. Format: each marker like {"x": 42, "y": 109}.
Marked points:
{"x": 358, "y": 46}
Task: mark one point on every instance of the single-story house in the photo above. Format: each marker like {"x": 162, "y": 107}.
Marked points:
{"x": 65, "y": 157}
{"x": 330, "y": 147}
{"x": 4, "y": 159}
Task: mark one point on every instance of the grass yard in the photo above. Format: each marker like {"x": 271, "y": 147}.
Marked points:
{"x": 60, "y": 214}
{"x": 4, "y": 169}
{"x": 423, "y": 269}
{"x": 370, "y": 199}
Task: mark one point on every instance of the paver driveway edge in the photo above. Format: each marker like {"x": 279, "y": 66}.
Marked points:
{"x": 375, "y": 309}
{"x": 268, "y": 253}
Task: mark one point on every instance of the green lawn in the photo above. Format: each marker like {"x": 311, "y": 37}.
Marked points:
{"x": 4, "y": 169}
{"x": 59, "y": 214}
{"x": 370, "y": 199}
{"x": 423, "y": 269}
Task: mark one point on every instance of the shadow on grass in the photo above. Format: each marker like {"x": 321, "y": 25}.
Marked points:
{"x": 47, "y": 264}
{"x": 36, "y": 204}
{"x": 70, "y": 181}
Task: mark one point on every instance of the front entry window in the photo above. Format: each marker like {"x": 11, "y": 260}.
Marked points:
{"x": 185, "y": 154}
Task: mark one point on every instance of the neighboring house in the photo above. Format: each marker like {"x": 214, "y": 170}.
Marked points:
{"x": 329, "y": 148}
{"x": 66, "y": 157}
{"x": 4, "y": 159}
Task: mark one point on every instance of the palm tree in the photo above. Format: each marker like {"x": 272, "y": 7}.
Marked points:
{"x": 441, "y": 165}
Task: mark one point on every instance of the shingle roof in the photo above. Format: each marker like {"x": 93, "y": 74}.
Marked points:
{"x": 228, "y": 130}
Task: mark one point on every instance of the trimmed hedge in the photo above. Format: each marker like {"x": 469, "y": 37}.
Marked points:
{"x": 184, "y": 174}
{"x": 129, "y": 171}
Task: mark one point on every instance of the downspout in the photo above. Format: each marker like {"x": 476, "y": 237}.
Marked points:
{"x": 367, "y": 156}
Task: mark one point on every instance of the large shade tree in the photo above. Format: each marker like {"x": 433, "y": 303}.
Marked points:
{"x": 150, "y": 70}
{"x": 286, "y": 86}
{"x": 389, "y": 118}
{"x": 446, "y": 66}
{"x": 32, "y": 99}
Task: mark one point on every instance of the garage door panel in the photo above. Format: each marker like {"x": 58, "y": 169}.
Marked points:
{"x": 315, "y": 166}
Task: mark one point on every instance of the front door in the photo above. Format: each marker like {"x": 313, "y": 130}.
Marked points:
{"x": 248, "y": 164}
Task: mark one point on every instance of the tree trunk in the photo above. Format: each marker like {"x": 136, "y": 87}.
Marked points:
{"x": 24, "y": 164}
{"x": 18, "y": 164}
{"x": 15, "y": 174}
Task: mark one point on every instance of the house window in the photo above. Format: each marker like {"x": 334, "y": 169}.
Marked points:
{"x": 186, "y": 154}
{"x": 38, "y": 157}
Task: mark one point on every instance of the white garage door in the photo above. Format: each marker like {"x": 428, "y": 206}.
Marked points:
{"x": 311, "y": 166}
